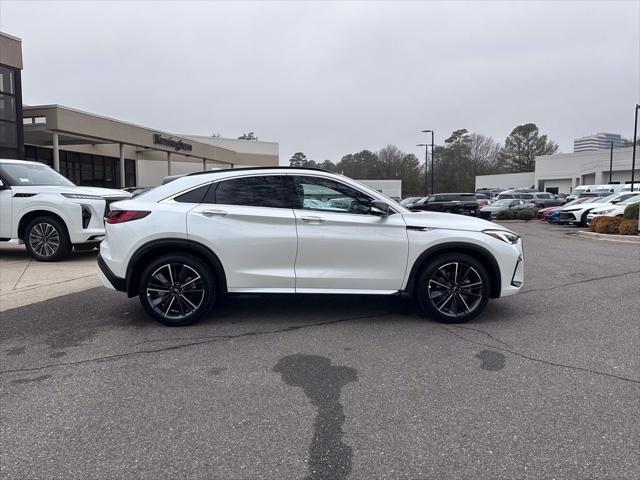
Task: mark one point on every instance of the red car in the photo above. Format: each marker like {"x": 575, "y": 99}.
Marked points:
{"x": 543, "y": 214}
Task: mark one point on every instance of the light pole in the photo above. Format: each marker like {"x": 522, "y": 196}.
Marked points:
{"x": 432, "y": 164}
{"x": 426, "y": 152}
{"x": 611, "y": 164}
{"x": 635, "y": 140}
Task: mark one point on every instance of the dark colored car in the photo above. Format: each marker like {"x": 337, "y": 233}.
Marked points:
{"x": 536, "y": 199}
{"x": 460, "y": 203}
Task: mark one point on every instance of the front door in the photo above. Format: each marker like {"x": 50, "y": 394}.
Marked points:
{"x": 342, "y": 246}
{"x": 249, "y": 223}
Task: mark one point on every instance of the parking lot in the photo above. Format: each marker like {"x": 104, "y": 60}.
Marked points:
{"x": 544, "y": 384}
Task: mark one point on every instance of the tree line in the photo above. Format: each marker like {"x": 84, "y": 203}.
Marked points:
{"x": 462, "y": 157}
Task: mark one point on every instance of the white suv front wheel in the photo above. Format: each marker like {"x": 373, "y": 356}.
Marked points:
{"x": 177, "y": 289}
{"x": 46, "y": 239}
{"x": 453, "y": 288}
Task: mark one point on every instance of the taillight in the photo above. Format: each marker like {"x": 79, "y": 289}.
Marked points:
{"x": 121, "y": 216}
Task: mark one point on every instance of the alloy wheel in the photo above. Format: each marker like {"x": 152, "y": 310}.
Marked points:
{"x": 455, "y": 289}
{"x": 175, "y": 291}
{"x": 44, "y": 239}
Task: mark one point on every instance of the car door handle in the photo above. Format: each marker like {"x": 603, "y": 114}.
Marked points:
{"x": 214, "y": 213}
{"x": 312, "y": 219}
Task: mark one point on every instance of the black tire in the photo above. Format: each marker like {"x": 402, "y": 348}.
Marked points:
{"x": 183, "y": 277}
{"x": 47, "y": 239}
{"x": 583, "y": 219}
{"x": 466, "y": 302}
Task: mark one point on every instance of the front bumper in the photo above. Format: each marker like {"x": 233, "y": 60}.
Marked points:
{"x": 110, "y": 279}
{"x": 568, "y": 217}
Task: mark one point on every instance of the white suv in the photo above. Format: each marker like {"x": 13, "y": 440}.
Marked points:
{"x": 44, "y": 210}
{"x": 292, "y": 230}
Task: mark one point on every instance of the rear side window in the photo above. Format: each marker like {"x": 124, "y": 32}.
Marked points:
{"x": 258, "y": 191}
{"x": 528, "y": 196}
{"x": 193, "y": 196}
{"x": 504, "y": 195}
{"x": 467, "y": 198}
{"x": 544, "y": 195}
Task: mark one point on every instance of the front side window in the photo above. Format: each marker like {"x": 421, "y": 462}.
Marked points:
{"x": 258, "y": 191}
{"x": 331, "y": 196}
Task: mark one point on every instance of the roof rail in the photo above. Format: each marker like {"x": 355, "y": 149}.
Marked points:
{"x": 241, "y": 169}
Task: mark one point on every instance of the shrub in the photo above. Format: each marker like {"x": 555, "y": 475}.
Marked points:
{"x": 527, "y": 214}
{"x": 506, "y": 215}
{"x": 631, "y": 212}
{"x": 628, "y": 227}
{"x": 594, "y": 222}
{"x": 609, "y": 225}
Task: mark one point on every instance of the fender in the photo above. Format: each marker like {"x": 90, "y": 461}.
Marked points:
{"x": 484, "y": 256}
{"x": 174, "y": 244}
{"x": 41, "y": 206}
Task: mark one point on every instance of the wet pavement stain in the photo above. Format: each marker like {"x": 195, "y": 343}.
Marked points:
{"x": 58, "y": 354}
{"x": 216, "y": 370}
{"x": 16, "y": 351}
{"x": 329, "y": 457}
{"x": 491, "y": 360}
{"x": 30, "y": 380}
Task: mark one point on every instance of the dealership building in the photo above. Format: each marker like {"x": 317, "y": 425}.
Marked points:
{"x": 562, "y": 172}
{"x": 95, "y": 150}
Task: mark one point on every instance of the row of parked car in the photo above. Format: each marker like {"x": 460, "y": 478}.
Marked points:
{"x": 484, "y": 205}
{"x": 585, "y": 208}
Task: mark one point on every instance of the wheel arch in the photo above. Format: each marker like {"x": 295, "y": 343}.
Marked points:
{"x": 30, "y": 215}
{"x": 155, "y": 248}
{"x": 481, "y": 254}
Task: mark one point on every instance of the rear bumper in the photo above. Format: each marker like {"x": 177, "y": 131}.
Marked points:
{"x": 109, "y": 279}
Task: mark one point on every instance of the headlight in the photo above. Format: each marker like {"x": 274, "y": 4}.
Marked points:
{"x": 508, "y": 237}
{"x": 602, "y": 212}
{"x": 571, "y": 209}
{"x": 82, "y": 196}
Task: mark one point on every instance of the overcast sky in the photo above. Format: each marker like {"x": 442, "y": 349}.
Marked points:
{"x": 333, "y": 78}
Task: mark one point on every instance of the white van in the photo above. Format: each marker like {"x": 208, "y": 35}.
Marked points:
{"x": 627, "y": 187}
{"x": 610, "y": 188}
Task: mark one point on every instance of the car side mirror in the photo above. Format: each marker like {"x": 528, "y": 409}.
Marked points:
{"x": 380, "y": 208}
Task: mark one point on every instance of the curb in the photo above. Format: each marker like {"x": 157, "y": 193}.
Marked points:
{"x": 610, "y": 237}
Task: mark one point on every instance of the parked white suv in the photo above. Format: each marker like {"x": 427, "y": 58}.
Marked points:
{"x": 49, "y": 214}
{"x": 256, "y": 230}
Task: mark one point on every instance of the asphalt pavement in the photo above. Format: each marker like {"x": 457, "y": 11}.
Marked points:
{"x": 544, "y": 385}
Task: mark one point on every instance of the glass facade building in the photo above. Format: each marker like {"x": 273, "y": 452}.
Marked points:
{"x": 11, "y": 129}
{"x": 86, "y": 169}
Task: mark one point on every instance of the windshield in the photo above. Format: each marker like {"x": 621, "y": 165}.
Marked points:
{"x": 501, "y": 203}
{"x": 409, "y": 201}
{"x": 31, "y": 175}
{"x": 577, "y": 200}
{"x": 631, "y": 200}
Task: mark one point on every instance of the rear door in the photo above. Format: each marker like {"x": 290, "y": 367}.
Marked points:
{"x": 249, "y": 223}
{"x": 342, "y": 246}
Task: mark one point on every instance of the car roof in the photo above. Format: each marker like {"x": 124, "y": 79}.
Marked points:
{"x": 13, "y": 160}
